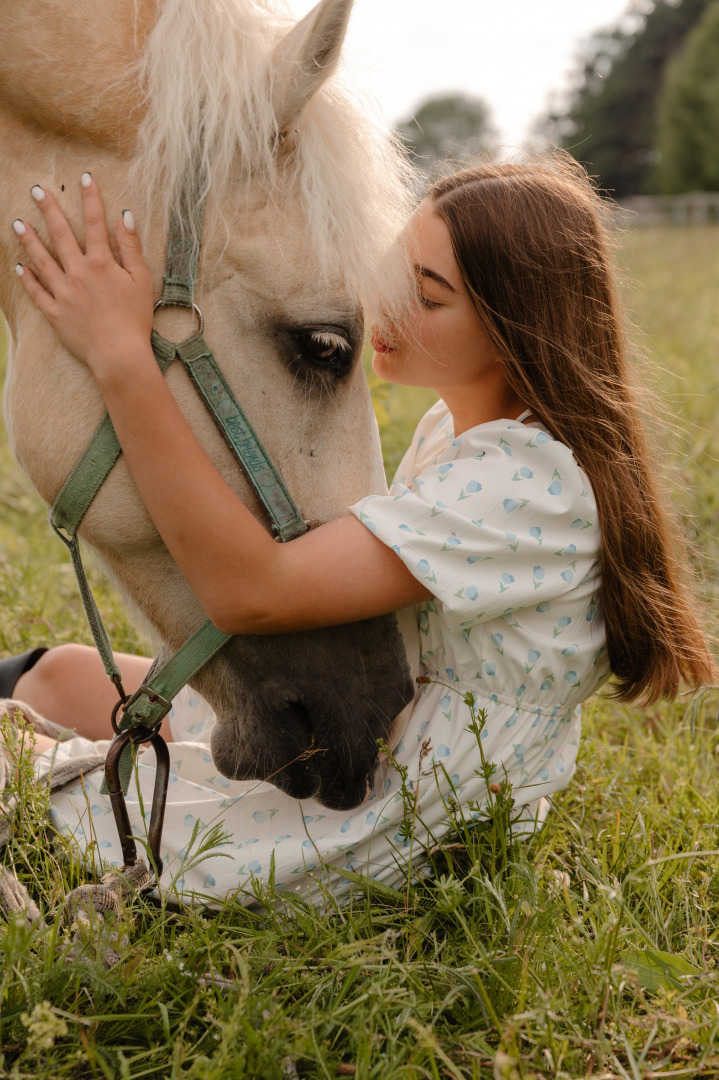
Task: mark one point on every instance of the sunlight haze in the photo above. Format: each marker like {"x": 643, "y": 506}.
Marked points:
{"x": 512, "y": 53}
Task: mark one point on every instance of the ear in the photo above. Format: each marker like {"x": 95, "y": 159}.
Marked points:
{"x": 305, "y": 57}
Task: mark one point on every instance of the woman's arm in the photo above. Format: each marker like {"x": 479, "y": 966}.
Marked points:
{"x": 245, "y": 581}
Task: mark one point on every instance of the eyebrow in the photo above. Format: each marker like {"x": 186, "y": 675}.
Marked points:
{"x": 424, "y": 271}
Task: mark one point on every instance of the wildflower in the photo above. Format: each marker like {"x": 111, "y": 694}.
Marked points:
{"x": 43, "y": 1026}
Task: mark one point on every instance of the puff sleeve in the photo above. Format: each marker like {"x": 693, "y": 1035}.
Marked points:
{"x": 503, "y": 511}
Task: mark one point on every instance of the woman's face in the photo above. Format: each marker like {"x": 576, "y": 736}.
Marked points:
{"x": 443, "y": 344}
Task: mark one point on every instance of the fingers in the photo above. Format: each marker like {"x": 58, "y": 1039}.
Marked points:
{"x": 48, "y": 270}
{"x": 61, "y": 234}
{"x": 97, "y": 242}
{"x": 35, "y": 291}
{"x": 128, "y": 243}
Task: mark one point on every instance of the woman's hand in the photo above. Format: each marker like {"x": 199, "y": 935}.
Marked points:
{"x": 100, "y": 309}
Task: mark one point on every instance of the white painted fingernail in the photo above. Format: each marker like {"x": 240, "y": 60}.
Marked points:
{"x": 37, "y": 193}
{"x": 19, "y": 269}
{"x": 86, "y": 179}
{"x": 128, "y": 220}
{"x": 19, "y": 227}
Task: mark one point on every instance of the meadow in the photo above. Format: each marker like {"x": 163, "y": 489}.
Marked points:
{"x": 589, "y": 951}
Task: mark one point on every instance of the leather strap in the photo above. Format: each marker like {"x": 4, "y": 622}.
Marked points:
{"x": 240, "y": 436}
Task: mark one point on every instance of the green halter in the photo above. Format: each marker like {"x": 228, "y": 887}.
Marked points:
{"x": 153, "y": 700}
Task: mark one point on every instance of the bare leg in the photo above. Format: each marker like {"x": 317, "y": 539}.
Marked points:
{"x": 69, "y": 685}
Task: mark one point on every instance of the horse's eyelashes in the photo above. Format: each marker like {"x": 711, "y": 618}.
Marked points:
{"x": 327, "y": 349}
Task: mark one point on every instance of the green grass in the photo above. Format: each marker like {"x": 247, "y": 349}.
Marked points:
{"x": 590, "y": 951}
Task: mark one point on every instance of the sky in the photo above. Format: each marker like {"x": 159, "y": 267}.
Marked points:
{"x": 512, "y": 53}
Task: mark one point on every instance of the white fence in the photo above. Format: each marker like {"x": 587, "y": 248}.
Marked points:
{"x": 694, "y": 208}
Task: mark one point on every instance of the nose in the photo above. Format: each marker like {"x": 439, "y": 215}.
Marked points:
{"x": 286, "y": 750}
{"x": 298, "y": 773}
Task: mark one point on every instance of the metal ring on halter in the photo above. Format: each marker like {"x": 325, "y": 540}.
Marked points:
{"x": 138, "y": 733}
{"x": 200, "y": 317}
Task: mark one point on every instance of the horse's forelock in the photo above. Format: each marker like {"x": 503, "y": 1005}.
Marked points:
{"x": 207, "y": 77}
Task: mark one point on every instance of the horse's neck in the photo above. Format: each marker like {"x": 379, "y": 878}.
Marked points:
{"x": 67, "y": 104}
{"x": 64, "y": 67}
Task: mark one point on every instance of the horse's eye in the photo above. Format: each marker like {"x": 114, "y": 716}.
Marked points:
{"x": 326, "y": 349}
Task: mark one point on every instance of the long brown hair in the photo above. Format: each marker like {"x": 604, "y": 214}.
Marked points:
{"x": 531, "y": 246}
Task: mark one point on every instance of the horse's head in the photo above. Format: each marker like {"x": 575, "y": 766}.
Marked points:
{"x": 303, "y": 194}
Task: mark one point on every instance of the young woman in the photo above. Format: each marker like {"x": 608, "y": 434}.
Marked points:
{"x": 525, "y": 524}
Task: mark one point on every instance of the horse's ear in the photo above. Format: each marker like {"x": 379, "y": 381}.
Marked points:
{"x": 305, "y": 57}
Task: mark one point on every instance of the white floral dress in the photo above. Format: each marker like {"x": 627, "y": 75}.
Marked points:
{"x": 501, "y": 525}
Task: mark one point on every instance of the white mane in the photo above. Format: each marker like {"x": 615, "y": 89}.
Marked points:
{"x": 207, "y": 81}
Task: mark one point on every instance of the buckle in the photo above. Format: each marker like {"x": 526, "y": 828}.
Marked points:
{"x": 163, "y": 708}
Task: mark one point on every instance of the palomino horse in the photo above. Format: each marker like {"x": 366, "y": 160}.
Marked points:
{"x": 304, "y": 193}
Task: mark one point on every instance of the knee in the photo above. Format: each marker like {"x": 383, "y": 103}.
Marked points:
{"x": 63, "y": 663}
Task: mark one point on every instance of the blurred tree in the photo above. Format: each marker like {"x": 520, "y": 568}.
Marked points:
{"x": 689, "y": 112}
{"x": 452, "y": 127}
{"x": 610, "y": 120}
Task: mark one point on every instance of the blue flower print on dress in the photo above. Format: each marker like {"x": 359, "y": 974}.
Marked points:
{"x": 532, "y": 656}
{"x": 367, "y": 522}
{"x": 505, "y": 581}
{"x": 525, "y": 473}
{"x": 535, "y": 531}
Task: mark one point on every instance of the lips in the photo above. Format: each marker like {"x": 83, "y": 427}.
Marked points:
{"x": 378, "y": 344}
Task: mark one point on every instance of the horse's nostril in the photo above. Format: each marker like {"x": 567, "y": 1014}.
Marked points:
{"x": 293, "y": 751}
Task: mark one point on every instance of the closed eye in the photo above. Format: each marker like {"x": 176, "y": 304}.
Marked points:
{"x": 429, "y": 304}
